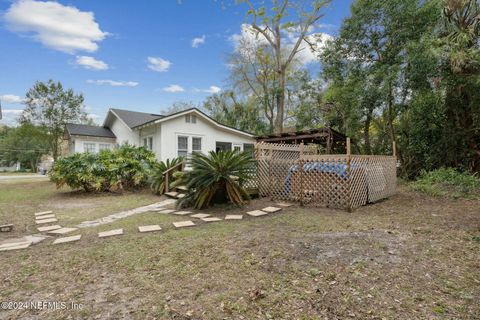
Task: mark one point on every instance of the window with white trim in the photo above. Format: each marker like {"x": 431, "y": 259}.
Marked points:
{"x": 194, "y": 118}
{"x": 196, "y": 144}
{"x": 182, "y": 146}
{"x": 89, "y": 147}
{"x": 104, "y": 146}
{"x": 148, "y": 143}
{"x": 187, "y": 118}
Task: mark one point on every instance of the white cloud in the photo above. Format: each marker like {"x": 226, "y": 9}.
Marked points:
{"x": 11, "y": 98}
{"x": 11, "y": 111}
{"x": 198, "y": 41}
{"x": 114, "y": 83}
{"x": 173, "y": 88}
{"x": 211, "y": 90}
{"x": 158, "y": 64}
{"x": 248, "y": 40}
{"x": 63, "y": 28}
{"x": 91, "y": 63}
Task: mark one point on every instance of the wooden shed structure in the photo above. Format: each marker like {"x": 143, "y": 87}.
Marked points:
{"x": 328, "y": 139}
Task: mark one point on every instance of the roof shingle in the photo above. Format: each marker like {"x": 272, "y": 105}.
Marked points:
{"x": 87, "y": 130}
{"x": 134, "y": 119}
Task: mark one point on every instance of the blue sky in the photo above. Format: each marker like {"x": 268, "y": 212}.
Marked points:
{"x": 102, "y": 49}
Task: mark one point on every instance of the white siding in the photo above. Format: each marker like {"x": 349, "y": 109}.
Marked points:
{"x": 209, "y": 133}
{"x": 152, "y": 131}
{"x": 123, "y": 133}
{"x": 78, "y": 144}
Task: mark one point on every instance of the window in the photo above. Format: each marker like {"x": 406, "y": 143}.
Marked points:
{"x": 148, "y": 143}
{"x": 182, "y": 147}
{"x": 190, "y": 118}
{"x": 187, "y": 118}
{"x": 103, "y": 146}
{"x": 194, "y": 118}
{"x": 89, "y": 147}
{"x": 196, "y": 144}
{"x": 237, "y": 148}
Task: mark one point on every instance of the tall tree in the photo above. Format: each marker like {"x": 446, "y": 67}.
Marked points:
{"x": 50, "y": 106}
{"x": 285, "y": 16}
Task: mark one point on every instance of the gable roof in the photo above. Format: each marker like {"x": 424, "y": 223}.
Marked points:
{"x": 133, "y": 118}
{"x": 87, "y": 130}
{"x": 203, "y": 115}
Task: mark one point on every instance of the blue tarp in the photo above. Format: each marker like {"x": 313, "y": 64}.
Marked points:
{"x": 339, "y": 169}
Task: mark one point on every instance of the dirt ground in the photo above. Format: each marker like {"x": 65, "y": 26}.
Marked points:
{"x": 407, "y": 257}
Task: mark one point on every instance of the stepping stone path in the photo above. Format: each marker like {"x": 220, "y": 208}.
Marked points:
{"x": 233, "y": 217}
{"x": 181, "y": 213}
{"x": 271, "y": 209}
{"x": 67, "y": 239}
{"x": 15, "y": 246}
{"x": 110, "y": 233}
{"x": 21, "y": 243}
{"x": 62, "y": 230}
{"x": 43, "y": 221}
{"x": 200, "y": 215}
{"x": 47, "y": 216}
{"x": 151, "y": 228}
{"x": 257, "y": 213}
{"x": 49, "y": 228}
{"x": 43, "y": 213}
{"x": 166, "y": 211}
{"x": 182, "y": 224}
{"x": 211, "y": 219}
{"x": 124, "y": 214}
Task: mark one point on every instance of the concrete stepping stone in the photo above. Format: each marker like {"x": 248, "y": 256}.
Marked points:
{"x": 211, "y": 219}
{"x": 183, "y": 224}
{"x": 271, "y": 209}
{"x": 172, "y": 194}
{"x": 181, "y": 213}
{"x": 233, "y": 217}
{"x": 284, "y": 204}
{"x": 110, "y": 233}
{"x": 67, "y": 239}
{"x": 200, "y": 215}
{"x": 47, "y": 216}
{"x": 62, "y": 230}
{"x": 49, "y": 228}
{"x": 257, "y": 213}
{"x": 151, "y": 228}
{"x": 166, "y": 211}
{"x": 15, "y": 246}
{"x": 180, "y": 195}
{"x": 43, "y": 221}
{"x": 43, "y": 213}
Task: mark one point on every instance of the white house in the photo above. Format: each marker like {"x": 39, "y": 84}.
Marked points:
{"x": 169, "y": 136}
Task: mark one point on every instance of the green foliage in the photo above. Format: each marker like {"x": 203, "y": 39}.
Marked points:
{"x": 25, "y": 144}
{"x": 52, "y": 107}
{"x": 157, "y": 179}
{"x": 114, "y": 170}
{"x": 216, "y": 178}
{"x": 448, "y": 182}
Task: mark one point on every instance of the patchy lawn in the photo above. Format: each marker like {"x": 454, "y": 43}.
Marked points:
{"x": 409, "y": 257}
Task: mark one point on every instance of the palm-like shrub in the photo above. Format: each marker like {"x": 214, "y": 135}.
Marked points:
{"x": 157, "y": 180}
{"x": 217, "y": 177}
{"x": 111, "y": 170}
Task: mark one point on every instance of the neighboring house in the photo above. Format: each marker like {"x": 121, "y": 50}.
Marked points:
{"x": 169, "y": 136}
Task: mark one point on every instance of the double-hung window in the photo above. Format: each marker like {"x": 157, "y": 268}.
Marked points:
{"x": 196, "y": 144}
{"x": 148, "y": 143}
{"x": 89, "y": 147}
{"x": 182, "y": 146}
{"x": 103, "y": 146}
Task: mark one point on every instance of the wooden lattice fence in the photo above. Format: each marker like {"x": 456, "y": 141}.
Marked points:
{"x": 299, "y": 173}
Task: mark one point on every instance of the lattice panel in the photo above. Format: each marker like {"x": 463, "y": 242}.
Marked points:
{"x": 299, "y": 173}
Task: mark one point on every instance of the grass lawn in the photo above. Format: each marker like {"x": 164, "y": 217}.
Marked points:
{"x": 409, "y": 257}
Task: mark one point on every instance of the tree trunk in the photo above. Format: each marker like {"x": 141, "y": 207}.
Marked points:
{"x": 366, "y": 132}
{"x": 280, "y": 103}
{"x": 390, "y": 114}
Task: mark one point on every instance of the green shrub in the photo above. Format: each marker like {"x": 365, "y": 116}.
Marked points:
{"x": 448, "y": 182}
{"x": 217, "y": 177}
{"x": 114, "y": 170}
{"x": 157, "y": 180}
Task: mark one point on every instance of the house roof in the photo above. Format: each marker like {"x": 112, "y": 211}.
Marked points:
{"x": 133, "y": 118}
{"x": 215, "y": 122}
{"x": 87, "y": 130}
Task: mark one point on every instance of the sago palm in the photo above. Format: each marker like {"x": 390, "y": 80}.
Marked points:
{"x": 217, "y": 176}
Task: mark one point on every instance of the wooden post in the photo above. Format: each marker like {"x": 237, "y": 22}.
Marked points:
{"x": 166, "y": 183}
{"x": 270, "y": 156}
{"x": 301, "y": 150}
{"x": 349, "y": 177}
{"x": 394, "y": 148}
